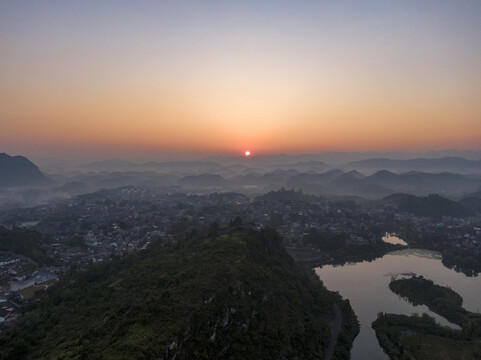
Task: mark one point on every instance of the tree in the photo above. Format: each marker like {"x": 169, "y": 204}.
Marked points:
{"x": 213, "y": 229}
{"x": 237, "y": 222}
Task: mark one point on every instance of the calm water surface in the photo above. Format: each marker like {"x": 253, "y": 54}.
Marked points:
{"x": 365, "y": 284}
{"x": 393, "y": 239}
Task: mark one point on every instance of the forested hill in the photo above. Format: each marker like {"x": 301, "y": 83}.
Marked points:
{"x": 433, "y": 205}
{"x": 25, "y": 242}
{"x": 234, "y": 296}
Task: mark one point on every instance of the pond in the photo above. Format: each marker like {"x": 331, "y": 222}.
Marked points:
{"x": 365, "y": 284}
{"x": 393, "y": 239}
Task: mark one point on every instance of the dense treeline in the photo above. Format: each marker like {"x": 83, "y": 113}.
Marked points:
{"x": 25, "y": 242}
{"x": 462, "y": 261}
{"x": 236, "y": 295}
{"x": 289, "y": 195}
{"x": 349, "y": 330}
{"x": 433, "y": 205}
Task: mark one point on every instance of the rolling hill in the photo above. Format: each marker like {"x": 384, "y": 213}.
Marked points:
{"x": 433, "y": 205}
{"x": 233, "y": 296}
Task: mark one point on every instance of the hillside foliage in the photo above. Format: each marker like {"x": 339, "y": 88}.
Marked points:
{"x": 233, "y": 296}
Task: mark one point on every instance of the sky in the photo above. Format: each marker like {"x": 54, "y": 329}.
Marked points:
{"x": 138, "y": 78}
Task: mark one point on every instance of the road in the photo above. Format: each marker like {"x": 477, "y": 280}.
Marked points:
{"x": 335, "y": 328}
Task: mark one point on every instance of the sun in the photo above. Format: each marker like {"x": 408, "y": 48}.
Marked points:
{"x": 247, "y": 153}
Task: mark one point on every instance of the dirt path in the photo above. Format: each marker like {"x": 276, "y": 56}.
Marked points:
{"x": 335, "y": 328}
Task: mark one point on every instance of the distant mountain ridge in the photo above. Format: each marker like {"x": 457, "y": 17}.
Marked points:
{"x": 336, "y": 158}
{"x": 202, "y": 180}
{"x": 383, "y": 183}
{"x": 453, "y": 164}
{"x": 329, "y": 183}
{"x": 300, "y": 163}
{"x": 449, "y": 176}
{"x": 20, "y": 171}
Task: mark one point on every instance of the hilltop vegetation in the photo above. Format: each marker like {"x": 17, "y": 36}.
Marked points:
{"x": 233, "y": 296}
{"x": 288, "y": 195}
{"x": 469, "y": 263}
{"x": 24, "y": 242}
{"x": 472, "y": 202}
{"x": 433, "y": 205}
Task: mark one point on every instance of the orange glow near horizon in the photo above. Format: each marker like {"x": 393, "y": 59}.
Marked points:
{"x": 181, "y": 79}
{"x": 164, "y": 124}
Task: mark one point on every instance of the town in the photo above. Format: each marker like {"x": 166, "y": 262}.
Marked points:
{"x": 92, "y": 228}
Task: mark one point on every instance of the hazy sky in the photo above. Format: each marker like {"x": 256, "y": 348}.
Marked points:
{"x": 161, "y": 77}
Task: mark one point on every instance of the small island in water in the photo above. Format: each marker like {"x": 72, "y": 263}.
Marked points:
{"x": 420, "y": 337}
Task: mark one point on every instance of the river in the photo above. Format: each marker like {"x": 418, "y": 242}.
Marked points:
{"x": 365, "y": 284}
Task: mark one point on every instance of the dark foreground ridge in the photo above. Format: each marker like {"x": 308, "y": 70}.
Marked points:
{"x": 233, "y": 296}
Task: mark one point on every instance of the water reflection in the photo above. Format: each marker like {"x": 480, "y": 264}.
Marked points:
{"x": 393, "y": 239}
{"x": 366, "y": 286}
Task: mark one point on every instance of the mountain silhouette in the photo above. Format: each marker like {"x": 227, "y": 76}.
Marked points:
{"x": 20, "y": 171}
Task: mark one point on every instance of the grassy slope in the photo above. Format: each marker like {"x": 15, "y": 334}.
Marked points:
{"x": 237, "y": 296}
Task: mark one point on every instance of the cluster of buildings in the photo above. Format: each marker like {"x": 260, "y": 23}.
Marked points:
{"x": 94, "y": 227}
{"x": 463, "y": 234}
